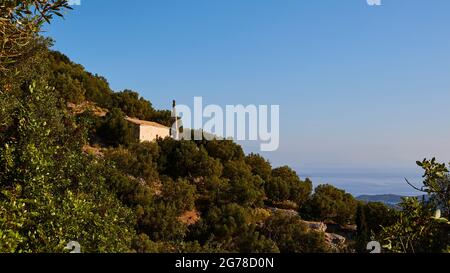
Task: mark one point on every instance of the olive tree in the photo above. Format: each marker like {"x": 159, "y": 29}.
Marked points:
{"x": 20, "y": 22}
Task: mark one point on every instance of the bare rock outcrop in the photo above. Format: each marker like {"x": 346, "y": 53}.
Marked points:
{"x": 335, "y": 241}
{"x": 317, "y": 226}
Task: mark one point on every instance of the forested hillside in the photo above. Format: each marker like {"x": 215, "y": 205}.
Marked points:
{"x": 79, "y": 176}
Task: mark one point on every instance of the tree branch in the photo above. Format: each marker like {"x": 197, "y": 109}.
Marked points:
{"x": 414, "y": 187}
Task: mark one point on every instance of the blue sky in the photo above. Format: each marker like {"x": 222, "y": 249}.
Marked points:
{"x": 359, "y": 87}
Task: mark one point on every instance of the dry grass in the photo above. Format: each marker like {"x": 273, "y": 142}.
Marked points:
{"x": 78, "y": 109}
{"x": 189, "y": 218}
{"x": 95, "y": 151}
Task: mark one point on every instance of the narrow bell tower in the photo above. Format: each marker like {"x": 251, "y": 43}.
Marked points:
{"x": 176, "y": 133}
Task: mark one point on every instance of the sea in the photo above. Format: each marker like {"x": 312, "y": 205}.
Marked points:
{"x": 367, "y": 182}
{"x": 357, "y": 181}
